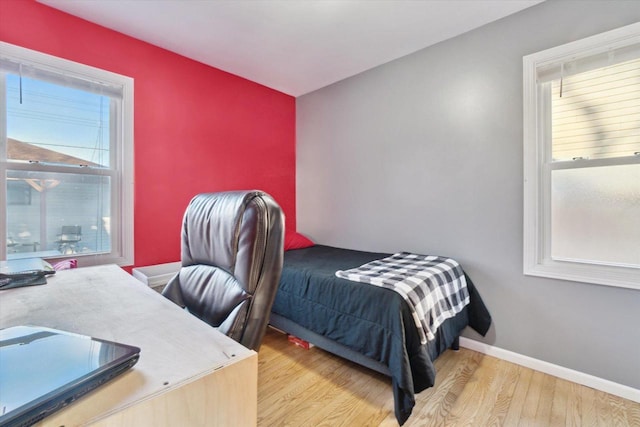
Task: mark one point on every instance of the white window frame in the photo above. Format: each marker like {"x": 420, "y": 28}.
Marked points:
{"x": 122, "y": 233}
{"x": 537, "y": 168}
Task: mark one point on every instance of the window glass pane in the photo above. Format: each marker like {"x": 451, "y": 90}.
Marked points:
{"x": 595, "y": 214}
{"x": 54, "y": 214}
{"x": 597, "y": 114}
{"x": 56, "y": 124}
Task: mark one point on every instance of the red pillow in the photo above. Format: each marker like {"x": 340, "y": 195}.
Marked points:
{"x": 293, "y": 240}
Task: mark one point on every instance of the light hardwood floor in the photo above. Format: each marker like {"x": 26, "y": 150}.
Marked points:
{"x": 298, "y": 387}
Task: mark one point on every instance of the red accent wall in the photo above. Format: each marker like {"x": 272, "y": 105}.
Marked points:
{"x": 197, "y": 128}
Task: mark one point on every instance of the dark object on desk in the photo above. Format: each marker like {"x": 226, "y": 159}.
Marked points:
{"x": 18, "y": 280}
{"x": 232, "y": 248}
{"x": 24, "y": 272}
{"x": 31, "y": 390}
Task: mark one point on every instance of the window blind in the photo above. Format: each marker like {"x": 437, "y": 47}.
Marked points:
{"x": 62, "y": 78}
{"x": 577, "y": 64}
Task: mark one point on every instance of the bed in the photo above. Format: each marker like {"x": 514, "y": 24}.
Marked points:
{"x": 369, "y": 325}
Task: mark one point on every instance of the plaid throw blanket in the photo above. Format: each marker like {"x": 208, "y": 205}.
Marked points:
{"x": 434, "y": 287}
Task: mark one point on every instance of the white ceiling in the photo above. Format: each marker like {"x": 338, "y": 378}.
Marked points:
{"x": 293, "y": 46}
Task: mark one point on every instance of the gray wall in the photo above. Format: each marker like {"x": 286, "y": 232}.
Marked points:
{"x": 425, "y": 154}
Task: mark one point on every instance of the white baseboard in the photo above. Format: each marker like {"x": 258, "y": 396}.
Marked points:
{"x": 555, "y": 370}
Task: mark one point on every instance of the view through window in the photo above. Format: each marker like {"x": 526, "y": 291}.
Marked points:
{"x": 64, "y": 163}
{"x": 58, "y": 128}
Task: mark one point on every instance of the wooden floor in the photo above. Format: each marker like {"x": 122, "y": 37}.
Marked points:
{"x": 298, "y": 387}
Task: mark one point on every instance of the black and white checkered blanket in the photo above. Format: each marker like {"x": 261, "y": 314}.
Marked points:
{"x": 434, "y": 287}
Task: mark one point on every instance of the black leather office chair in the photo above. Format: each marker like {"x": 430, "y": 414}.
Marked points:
{"x": 232, "y": 250}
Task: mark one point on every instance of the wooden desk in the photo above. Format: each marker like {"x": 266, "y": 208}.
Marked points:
{"x": 188, "y": 374}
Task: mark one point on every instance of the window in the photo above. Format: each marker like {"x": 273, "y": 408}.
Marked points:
{"x": 66, "y": 159}
{"x": 582, "y": 160}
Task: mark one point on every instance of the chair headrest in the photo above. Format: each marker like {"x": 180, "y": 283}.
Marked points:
{"x": 218, "y": 226}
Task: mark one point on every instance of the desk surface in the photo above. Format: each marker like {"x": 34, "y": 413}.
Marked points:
{"x": 106, "y": 302}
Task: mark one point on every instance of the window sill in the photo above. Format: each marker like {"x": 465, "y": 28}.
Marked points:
{"x": 622, "y": 277}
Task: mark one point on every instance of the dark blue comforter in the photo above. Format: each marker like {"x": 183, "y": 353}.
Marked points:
{"x": 371, "y": 320}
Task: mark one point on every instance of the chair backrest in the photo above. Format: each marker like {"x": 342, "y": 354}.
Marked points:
{"x": 232, "y": 251}
{"x": 71, "y": 233}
